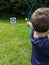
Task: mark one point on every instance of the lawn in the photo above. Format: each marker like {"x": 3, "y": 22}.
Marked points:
{"x": 15, "y": 46}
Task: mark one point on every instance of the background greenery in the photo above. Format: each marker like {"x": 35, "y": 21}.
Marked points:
{"x": 19, "y": 8}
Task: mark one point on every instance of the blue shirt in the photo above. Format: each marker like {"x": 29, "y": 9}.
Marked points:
{"x": 40, "y": 50}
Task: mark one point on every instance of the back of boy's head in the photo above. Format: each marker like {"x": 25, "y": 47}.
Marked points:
{"x": 40, "y": 20}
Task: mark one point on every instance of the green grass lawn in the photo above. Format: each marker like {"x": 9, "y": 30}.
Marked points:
{"x": 15, "y": 46}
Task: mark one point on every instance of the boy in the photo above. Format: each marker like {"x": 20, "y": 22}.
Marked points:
{"x": 39, "y": 37}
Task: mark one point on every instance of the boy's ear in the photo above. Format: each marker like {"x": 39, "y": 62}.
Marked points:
{"x": 48, "y": 31}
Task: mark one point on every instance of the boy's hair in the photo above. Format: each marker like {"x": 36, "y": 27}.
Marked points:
{"x": 40, "y": 20}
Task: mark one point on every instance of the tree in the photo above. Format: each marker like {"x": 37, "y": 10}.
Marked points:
{"x": 19, "y": 8}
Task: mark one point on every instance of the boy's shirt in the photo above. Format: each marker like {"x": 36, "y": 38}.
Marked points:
{"x": 40, "y": 50}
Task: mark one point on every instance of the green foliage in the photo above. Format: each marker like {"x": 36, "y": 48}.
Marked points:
{"x": 19, "y": 8}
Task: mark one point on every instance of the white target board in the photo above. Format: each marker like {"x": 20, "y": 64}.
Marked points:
{"x": 13, "y": 19}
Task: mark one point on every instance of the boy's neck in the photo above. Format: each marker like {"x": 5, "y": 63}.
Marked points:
{"x": 36, "y": 34}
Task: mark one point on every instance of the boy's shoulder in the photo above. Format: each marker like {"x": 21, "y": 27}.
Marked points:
{"x": 39, "y": 40}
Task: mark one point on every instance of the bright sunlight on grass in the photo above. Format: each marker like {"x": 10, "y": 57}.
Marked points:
{"x": 15, "y": 46}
